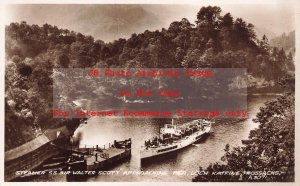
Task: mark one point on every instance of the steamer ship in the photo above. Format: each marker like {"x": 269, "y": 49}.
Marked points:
{"x": 174, "y": 137}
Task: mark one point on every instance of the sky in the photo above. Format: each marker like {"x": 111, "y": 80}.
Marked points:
{"x": 110, "y": 22}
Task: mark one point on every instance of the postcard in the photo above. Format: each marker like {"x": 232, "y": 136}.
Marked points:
{"x": 138, "y": 92}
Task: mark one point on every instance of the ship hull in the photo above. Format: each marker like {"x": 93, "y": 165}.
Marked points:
{"x": 175, "y": 146}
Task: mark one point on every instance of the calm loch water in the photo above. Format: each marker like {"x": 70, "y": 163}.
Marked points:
{"x": 101, "y": 131}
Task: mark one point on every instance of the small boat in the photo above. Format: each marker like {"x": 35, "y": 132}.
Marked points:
{"x": 174, "y": 137}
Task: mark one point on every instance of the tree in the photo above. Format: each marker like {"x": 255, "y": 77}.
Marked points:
{"x": 264, "y": 45}
{"x": 13, "y": 27}
{"x": 63, "y": 61}
{"x": 244, "y": 34}
{"x": 227, "y": 21}
{"x": 226, "y": 32}
{"x": 208, "y": 20}
{"x": 179, "y": 54}
{"x": 175, "y": 27}
{"x": 24, "y": 69}
{"x": 45, "y": 29}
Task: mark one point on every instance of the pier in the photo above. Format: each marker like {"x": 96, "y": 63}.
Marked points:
{"x": 75, "y": 159}
{"x": 108, "y": 157}
{"x": 97, "y": 158}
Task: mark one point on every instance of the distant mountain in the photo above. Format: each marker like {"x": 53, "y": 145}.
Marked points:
{"x": 108, "y": 22}
{"x": 104, "y": 22}
{"x": 116, "y": 21}
{"x": 285, "y": 41}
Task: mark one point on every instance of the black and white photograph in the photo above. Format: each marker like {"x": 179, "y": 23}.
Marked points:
{"x": 139, "y": 92}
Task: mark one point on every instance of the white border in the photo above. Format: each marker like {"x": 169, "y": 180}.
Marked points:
{"x": 202, "y": 2}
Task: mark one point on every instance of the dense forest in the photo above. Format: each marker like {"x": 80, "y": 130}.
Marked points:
{"x": 216, "y": 40}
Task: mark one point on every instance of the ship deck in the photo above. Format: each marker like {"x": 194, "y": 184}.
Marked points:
{"x": 178, "y": 141}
